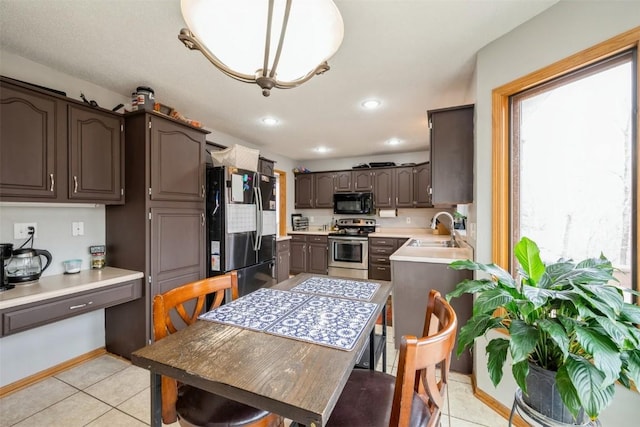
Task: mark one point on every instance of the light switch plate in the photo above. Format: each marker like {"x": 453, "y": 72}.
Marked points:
{"x": 21, "y": 230}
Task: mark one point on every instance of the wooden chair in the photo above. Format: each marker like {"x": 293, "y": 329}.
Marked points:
{"x": 415, "y": 397}
{"x": 192, "y": 406}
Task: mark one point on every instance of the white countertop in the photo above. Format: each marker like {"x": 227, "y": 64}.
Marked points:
{"x": 438, "y": 255}
{"x": 65, "y": 284}
{"x": 281, "y": 238}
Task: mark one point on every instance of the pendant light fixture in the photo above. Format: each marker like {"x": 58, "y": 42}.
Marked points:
{"x": 273, "y": 43}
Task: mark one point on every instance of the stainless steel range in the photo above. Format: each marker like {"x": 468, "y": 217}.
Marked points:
{"x": 349, "y": 248}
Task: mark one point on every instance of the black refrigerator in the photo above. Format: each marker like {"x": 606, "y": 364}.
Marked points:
{"x": 241, "y": 226}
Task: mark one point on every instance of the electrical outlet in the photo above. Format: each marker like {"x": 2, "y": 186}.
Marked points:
{"x": 77, "y": 228}
{"x": 311, "y": 219}
{"x": 21, "y": 230}
{"x": 472, "y": 230}
{"x": 408, "y": 220}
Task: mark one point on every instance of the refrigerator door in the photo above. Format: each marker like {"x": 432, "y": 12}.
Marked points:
{"x": 255, "y": 277}
{"x": 267, "y": 251}
{"x": 239, "y": 184}
{"x": 268, "y": 192}
{"x": 232, "y": 226}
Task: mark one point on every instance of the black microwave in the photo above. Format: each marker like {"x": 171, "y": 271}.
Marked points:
{"x": 353, "y": 203}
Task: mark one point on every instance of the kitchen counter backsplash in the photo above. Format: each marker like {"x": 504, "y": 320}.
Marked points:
{"x": 54, "y": 231}
{"x": 407, "y": 218}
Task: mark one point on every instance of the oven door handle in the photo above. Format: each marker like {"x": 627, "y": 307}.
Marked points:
{"x": 348, "y": 239}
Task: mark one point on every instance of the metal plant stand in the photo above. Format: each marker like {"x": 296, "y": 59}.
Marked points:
{"x": 534, "y": 418}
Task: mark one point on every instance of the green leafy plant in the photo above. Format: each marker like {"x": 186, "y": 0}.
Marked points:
{"x": 565, "y": 317}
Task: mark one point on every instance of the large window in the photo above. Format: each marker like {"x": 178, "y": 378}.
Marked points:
{"x": 566, "y": 156}
{"x": 571, "y": 167}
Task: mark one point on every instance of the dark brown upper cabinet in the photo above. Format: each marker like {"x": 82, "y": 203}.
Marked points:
{"x": 177, "y": 162}
{"x": 422, "y": 186}
{"x": 30, "y": 138}
{"x": 96, "y": 163}
{"x": 55, "y": 149}
{"x": 362, "y": 180}
{"x": 404, "y": 187}
{"x": 383, "y": 188}
{"x": 342, "y": 181}
{"x": 451, "y": 155}
{"x": 304, "y": 191}
{"x": 323, "y": 190}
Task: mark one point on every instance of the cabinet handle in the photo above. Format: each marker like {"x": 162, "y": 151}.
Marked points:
{"x": 202, "y": 191}
{"x": 389, "y": 200}
{"x": 53, "y": 181}
{"x": 396, "y": 200}
{"x": 74, "y": 307}
{"x": 202, "y": 219}
{"x": 382, "y": 259}
{"x": 75, "y": 184}
{"x": 381, "y": 268}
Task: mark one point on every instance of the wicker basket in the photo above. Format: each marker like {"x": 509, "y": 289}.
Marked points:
{"x": 237, "y": 155}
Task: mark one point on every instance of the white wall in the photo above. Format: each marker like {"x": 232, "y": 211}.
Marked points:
{"x": 565, "y": 29}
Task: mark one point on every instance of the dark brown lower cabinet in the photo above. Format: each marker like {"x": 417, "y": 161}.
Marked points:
{"x": 380, "y": 248}
{"x": 309, "y": 254}
{"x": 282, "y": 260}
{"x": 29, "y": 316}
{"x": 413, "y": 281}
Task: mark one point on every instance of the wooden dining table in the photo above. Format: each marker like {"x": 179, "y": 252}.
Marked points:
{"x": 297, "y": 379}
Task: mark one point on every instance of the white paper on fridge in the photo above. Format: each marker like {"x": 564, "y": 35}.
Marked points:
{"x": 215, "y": 255}
{"x": 237, "y": 188}
{"x": 268, "y": 223}
{"x": 241, "y": 218}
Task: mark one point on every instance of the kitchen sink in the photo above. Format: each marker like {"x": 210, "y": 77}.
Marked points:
{"x": 417, "y": 243}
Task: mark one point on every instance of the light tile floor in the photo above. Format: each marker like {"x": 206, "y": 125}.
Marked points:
{"x": 109, "y": 392}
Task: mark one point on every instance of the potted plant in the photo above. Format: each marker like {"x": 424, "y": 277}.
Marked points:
{"x": 564, "y": 318}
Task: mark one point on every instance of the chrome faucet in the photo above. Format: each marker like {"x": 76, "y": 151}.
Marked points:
{"x": 434, "y": 225}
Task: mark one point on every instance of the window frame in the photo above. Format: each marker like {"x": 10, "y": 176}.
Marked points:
{"x": 501, "y": 142}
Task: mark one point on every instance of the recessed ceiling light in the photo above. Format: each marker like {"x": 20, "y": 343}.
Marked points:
{"x": 321, "y": 149}
{"x": 370, "y": 104}
{"x": 270, "y": 121}
{"x": 393, "y": 141}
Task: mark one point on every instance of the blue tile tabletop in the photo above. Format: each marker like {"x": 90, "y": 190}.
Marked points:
{"x": 334, "y": 322}
{"x": 344, "y": 288}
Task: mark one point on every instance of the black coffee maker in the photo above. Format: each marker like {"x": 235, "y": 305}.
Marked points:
{"x": 6, "y": 249}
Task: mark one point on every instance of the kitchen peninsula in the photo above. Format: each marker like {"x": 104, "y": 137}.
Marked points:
{"x": 417, "y": 269}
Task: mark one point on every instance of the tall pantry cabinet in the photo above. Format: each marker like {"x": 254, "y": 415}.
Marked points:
{"x": 161, "y": 228}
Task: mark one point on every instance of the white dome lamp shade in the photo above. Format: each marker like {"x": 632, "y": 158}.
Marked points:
{"x": 274, "y": 43}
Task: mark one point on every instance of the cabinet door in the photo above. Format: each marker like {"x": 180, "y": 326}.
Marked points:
{"x": 96, "y": 146}
{"x": 362, "y": 180}
{"x": 298, "y": 259}
{"x": 177, "y": 247}
{"x": 404, "y": 187}
{"x": 318, "y": 258}
{"x": 342, "y": 181}
{"x": 29, "y": 126}
{"x": 282, "y": 261}
{"x": 422, "y": 186}
{"x": 177, "y": 161}
{"x": 323, "y": 188}
{"x": 452, "y": 155}
{"x": 304, "y": 191}
{"x": 383, "y": 187}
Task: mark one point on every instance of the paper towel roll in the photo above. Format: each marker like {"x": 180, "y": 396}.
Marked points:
{"x": 388, "y": 213}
